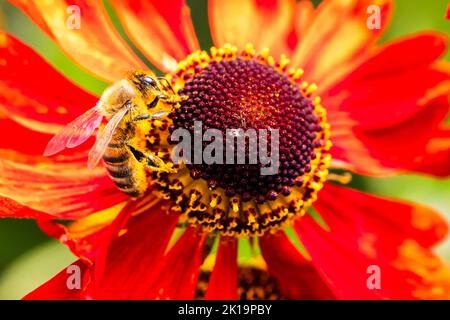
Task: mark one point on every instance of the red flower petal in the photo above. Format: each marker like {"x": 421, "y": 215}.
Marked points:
{"x": 140, "y": 249}
{"x": 92, "y": 237}
{"x": 224, "y": 277}
{"x": 405, "y": 102}
{"x": 33, "y": 103}
{"x": 437, "y": 160}
{"x": 64, "y": 190}
{"x": 375, "y": 215}
{"x": 18, "y": 138}
{"x": 162, "y": 30}
{"x": 240, "y": 22}
{"x": 298, "y": 278}
{"x": 85, "y": 243}
{"x": 113, "y": 244}
{"x": 327, "y": 46}
{"x": 32, "y": 10}
{"x": 304, "y": 16}
{"x": 418, "y": 144}
{"x": 390, "y": 87}
{"x": 12, "y": 209}
{"x": 368, "y": 231}
{"x": 447, "y": 15}
{"x": 178, "y": 272}
{"x": 56, "y": 288}
{"x": 95, "y": 45}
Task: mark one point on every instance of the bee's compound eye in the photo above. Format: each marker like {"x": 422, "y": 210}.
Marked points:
{"x": 149, "y": 81}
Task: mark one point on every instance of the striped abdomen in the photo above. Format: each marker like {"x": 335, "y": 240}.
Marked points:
{"x": 125, "y": 171}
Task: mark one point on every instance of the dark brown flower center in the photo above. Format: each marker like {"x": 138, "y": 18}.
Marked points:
{"x": 253, "y": 284}
{"x": 246, "y": 94}
{"x": 238, "y": 93}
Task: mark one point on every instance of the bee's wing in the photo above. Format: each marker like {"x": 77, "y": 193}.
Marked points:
{"x": 96, "y": 153}
{"x": 76, "y": 132}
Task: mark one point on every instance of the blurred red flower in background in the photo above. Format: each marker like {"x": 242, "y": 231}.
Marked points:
{"x": 386, "y": 106}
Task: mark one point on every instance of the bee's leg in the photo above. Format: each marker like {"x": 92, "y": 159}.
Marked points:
{"x": 167, "y": 84}
{"x": 155, "y": 115}
{"x": 151, "y": 105}
{"x": 154, "y": 102}
{"x": 138, "y": 155}
{"x": 152, "y": 162}
{"x": 155, "y": 163}
{"x": 172, "y": 99}
{"x": 144, "y": 116}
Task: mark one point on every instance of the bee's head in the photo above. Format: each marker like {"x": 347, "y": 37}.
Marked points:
{"x": 144, "y": 80}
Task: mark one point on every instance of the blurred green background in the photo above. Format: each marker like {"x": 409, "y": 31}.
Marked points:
{"x": 28, "y": 257}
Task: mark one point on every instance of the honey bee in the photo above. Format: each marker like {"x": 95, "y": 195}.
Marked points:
{"x": 139, "y": 97}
